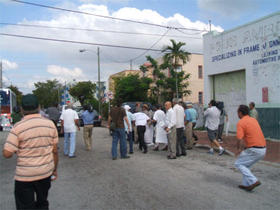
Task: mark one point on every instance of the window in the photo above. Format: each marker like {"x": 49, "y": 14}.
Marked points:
{"x": 200, "y": 97}
{"x": 200, "y": 73}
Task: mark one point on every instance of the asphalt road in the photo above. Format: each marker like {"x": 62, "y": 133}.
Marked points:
{"x": 93, "y": 180}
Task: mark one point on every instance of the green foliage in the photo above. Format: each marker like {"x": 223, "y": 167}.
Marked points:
{"x": 173, "y": 55}
{"x": 132, "y": 88}
{"x": 84, "y": 92}
{"x": 17, "y": 92}
{"x": 48, "y": 92}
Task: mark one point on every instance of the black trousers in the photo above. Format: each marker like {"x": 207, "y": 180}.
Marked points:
{"x": 141, "y": 132}
{"x": 180, "y": 144}
{"x": 25, "y": 194}
{"x": 193, "y": 134}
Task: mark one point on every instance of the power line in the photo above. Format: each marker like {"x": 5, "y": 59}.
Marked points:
{"x": 78, "y": 42}
{"x": 97, "y": 30}
{"x": 140, "y": 55}
{"x": 103, "y": 16}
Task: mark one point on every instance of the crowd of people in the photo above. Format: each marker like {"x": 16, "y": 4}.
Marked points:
{"x": 169, "y": 128}
{"x": 34, "y": 139}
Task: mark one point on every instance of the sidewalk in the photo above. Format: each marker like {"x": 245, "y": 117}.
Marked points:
{"x": 229, "y": 143}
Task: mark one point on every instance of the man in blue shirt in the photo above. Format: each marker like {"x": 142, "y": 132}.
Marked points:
{"x": 88, "y": 117}
{"x": 193, "y": 113}
{"x": 188, "y": 124}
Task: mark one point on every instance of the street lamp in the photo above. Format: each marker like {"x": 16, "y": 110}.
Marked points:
{"x": 99, "y": 86}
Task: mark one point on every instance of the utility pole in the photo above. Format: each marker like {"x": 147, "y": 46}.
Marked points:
{"x": 99, "y": 86}
{"x": 210, "y": 25}
{"x": 1, "y": 82}
{"x": 130, "y": 64}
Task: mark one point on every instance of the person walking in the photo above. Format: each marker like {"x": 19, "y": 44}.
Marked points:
{"x": 149, "y": 133}
{"x": 189, "y": 125}
{"x": 141, "y": 121}
{"x": 223, "y": 116}
{"x": 180, "y": 125}
{"x": 253, "y": 112}
{"x": 212, "y": 116}
{"x": 88, "y": 120}
{"x": 116, "y": 119}
{"x": 34, "y": 140}
{"x": 130, "y": 118}
{"x": 53, "y": 114}
{"x": 69, "y": 121}
{"x": 251, "y": 139}
{"x": 170, "y": 128}
{"x": 194, "y": 117}
{"x": 161, "y": 137}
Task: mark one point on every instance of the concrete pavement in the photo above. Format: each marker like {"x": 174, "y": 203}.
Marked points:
{"x": 93, "y": 180}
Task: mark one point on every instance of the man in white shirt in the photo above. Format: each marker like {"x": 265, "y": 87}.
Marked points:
{"x": 180, "y": 117}
{"x": 212, "y": 119}
{"x": 128, "y": 131}
{"x": 141, "y": 120}
{"x": 170, "y": 128}
{"x": 69, "y": 120}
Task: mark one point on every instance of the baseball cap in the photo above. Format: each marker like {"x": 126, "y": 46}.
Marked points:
{"x": 29, "y": 102}
{"x": 127, "y": 107}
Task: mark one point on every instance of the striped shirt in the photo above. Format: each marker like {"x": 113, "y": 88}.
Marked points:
{"x": 33, "y": 139}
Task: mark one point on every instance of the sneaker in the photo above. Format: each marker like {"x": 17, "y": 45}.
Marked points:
{"x": 211, "y": 152}
{"x": 221, "y": 151}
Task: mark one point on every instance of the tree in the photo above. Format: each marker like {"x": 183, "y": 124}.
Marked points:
{"x": 17, "y": 92}
{"x": 84, "y": 92}
{"x": 158, "y": 80}
{"x": 173, "y": 55}
{"x": 132, "y": 88}
{"x": 48, "y": 92}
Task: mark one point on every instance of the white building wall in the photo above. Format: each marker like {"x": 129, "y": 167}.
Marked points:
{"x": 254, "y": 47}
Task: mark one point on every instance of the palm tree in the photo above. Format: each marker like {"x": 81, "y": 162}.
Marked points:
{"x": 158, "y": 78}
{"x": 173, "y": 55}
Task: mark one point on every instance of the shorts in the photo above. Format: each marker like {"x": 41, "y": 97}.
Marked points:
{"x": 212, "y": 134}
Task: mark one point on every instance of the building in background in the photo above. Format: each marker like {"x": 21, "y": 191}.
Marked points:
{"x": 111, "y": 82}
{"x": 243, "y": 65}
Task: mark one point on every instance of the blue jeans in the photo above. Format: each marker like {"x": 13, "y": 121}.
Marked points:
{"x": 245, "y": 160}
{"x": 130, "y": 140}
{"x": 69, "y": 149}
{"x": 119, "y": 134}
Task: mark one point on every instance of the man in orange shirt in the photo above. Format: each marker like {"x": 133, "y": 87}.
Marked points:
{"x": 34, "y": 139}
{"x": 252, "y": 140}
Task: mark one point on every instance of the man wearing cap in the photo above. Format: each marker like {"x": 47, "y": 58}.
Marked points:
{"x": 128, "y": 128}
{"x": 69, "y": 121}
{"x": 34, "y": 139}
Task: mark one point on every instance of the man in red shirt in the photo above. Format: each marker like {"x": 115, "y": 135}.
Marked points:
{"x": 252, "y": 140}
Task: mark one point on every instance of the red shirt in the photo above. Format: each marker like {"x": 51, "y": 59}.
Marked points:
{"x": 249, "y": 129}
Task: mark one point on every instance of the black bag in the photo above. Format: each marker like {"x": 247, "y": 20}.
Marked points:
{"x": 113, "y": 126}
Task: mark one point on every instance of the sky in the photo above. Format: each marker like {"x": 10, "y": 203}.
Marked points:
{"x": 27, "y": 61}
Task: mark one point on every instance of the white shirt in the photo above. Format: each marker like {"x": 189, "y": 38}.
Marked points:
{"x": 69, "y": 116}
{"x": 170, "y": 118}
{"x": 140, "y": 119}
{"x": 180, "y": 115}
{"x": 212, "y": 116}
{"x": 130, "y": 118}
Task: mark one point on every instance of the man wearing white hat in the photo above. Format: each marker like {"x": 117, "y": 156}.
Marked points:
{"x": 128, "y": 130}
